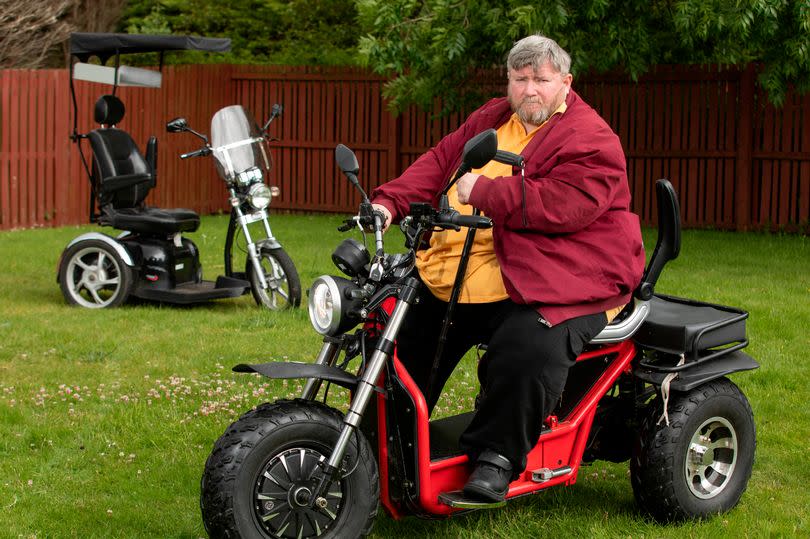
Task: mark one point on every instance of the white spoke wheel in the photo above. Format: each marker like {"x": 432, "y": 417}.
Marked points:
{"x": 259, "y": 478}
{"x": 93, "y": 275}
{"x": 283, "y": 285}
{"x": 698, "y": 465}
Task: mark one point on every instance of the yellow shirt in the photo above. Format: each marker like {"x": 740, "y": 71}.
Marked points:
{"x": 438, "y": 263}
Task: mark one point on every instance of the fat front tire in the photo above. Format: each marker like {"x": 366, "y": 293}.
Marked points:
{"x": 93, "y": 275}
{"x": 284, "y": 286}
{"x": 260, "y": 470}
{"x": 700, "y": 464}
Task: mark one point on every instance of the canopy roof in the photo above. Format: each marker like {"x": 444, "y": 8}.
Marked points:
{"x": 83, "y": 44}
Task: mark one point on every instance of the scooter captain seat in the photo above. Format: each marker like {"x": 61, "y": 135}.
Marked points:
{"x": 122, "y": 178}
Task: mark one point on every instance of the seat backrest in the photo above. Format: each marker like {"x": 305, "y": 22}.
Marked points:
{"x": 668, "y": 245}
{"x": 115, "y": 155}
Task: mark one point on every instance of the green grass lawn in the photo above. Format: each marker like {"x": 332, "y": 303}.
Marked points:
{"x": 107, "y": 417}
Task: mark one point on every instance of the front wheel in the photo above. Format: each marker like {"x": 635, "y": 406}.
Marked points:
{"x": 698, "y": 465}
{"x": 283, "y": 285}
{"x": 93, "y": 275}
{"x": 259, "y": 475}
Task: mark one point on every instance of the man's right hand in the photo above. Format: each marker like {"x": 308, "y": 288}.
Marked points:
{"x": 387, "y": 214}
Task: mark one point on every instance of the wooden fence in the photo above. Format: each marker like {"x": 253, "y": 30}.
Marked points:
{"x": 737, "y": 162}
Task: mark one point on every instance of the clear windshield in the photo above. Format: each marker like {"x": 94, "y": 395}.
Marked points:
{"x": 236, "y": 142}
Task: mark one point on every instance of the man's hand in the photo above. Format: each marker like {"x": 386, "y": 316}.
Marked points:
{"x": 382, "y": 209}
{"x": 465, "y": 186}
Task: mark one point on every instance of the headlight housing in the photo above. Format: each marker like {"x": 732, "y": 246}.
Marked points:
{"x": 259, "y": 196}
{"x": 251, "y": 175}
{"x": 332, "y": 310}
{"x": 351, "y": 257}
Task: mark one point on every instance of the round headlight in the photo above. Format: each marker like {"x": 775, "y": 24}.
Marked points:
{"x": 259, "y": 196}
{"x": 331, "y": 309}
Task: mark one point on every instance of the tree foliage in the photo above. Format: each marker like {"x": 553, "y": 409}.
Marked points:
{"x": 296, "y": 32}
{"x": 432, "y": 47}
{"x": 35, "y": 32}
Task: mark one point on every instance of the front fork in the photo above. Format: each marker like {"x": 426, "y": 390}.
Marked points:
{"x": 238, "y": 218}
{"x": 365, "y": 386}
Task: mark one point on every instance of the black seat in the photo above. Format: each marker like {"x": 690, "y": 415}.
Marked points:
{"x": 122, "y": 178}
{"x": 684, "y": 326}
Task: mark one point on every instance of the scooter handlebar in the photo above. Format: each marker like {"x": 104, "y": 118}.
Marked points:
{"x": 456, "y": 219}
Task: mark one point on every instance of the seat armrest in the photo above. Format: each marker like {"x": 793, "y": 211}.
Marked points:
{"x": 116, "y": 183}
{"x": 151, "y": 158}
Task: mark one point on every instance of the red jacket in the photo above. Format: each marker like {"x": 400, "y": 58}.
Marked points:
{"x": 580, "y": 252}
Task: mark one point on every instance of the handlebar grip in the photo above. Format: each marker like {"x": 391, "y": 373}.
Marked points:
{"x": 508, "y": 158}
{"x": 471, "y": 221}
{"x": 196, "y": 153}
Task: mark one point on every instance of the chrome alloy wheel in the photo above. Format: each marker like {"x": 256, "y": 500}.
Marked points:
{"x": 94, "y": 277}
{"x": 282, "y": 494}
{"x": 277, "y": 293}
{"x": 711, "y": 458}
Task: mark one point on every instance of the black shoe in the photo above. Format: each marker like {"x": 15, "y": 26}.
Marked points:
{"x": 490, "y": 479}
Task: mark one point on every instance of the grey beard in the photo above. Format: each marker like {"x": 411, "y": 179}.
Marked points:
{"x": 538, "y": 118}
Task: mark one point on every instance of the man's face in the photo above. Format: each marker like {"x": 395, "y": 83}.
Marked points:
{"x": 536, "y": 93}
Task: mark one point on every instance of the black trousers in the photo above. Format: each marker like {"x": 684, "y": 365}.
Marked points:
{"x": 527, "y": 364}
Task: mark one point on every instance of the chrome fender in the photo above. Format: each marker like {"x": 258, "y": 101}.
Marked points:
{"x": 122, "y": 252}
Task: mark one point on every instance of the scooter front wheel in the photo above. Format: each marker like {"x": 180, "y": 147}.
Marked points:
{"x": 283, "y": 285}
{"x": 258, "y": 478}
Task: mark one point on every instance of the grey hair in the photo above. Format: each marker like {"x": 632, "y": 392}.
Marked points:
{"x": 535, "y": 50}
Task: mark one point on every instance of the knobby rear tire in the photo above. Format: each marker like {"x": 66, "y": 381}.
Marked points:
{"x": 700, "y": 464}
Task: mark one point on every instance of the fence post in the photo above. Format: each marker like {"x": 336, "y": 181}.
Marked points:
{"x": 745, "y": 143}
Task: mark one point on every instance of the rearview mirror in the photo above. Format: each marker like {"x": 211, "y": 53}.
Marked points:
{"x": 346, "y": 160}
{"x": 479, "y": 150}
{"x": 178, "y": 125}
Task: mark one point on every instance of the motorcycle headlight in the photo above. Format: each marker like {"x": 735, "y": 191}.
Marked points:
{"x": 332, "y": 310}
{"x": 259, "y": 196}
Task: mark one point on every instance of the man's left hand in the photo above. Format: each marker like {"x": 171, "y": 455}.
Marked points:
{"x": 465, "y": 186}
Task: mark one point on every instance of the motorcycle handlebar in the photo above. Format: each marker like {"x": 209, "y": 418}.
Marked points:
{"x": 197, "y": 153}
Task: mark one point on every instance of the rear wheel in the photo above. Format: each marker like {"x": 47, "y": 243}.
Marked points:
{"x": 93, "y": 275}
{"x": 283, "y": 285}
{"x": 700, "y": 464}
{"x": 258, "y": 478}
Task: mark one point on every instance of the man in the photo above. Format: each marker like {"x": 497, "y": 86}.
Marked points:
{"x": 562, "y": 259}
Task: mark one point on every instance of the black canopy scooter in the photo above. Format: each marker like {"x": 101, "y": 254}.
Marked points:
{"x": 150, "y": 259}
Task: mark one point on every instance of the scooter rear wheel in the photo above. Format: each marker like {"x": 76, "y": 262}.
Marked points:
{"x": 699, "y": 464}
{"x": 259, "y": 474}
{"x": 284, "y": 286}
{"x": 94, "y": 276}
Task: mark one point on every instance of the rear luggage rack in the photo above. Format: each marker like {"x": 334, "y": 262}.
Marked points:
{"x": 692, "y": 329}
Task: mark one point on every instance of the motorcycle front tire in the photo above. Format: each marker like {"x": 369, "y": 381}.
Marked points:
{"x": 287, "y": 294}
{"x": 263, "y": 465}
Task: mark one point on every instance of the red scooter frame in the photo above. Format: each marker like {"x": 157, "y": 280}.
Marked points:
{"x": 559, "y": 449}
